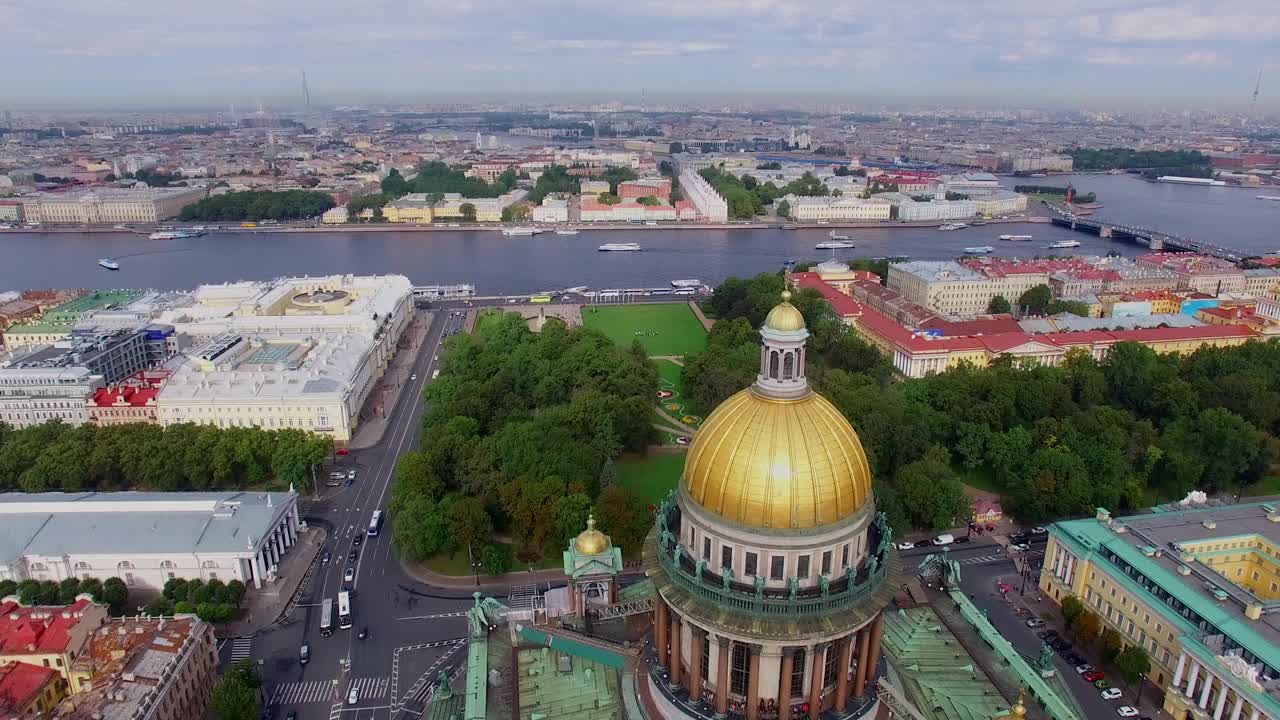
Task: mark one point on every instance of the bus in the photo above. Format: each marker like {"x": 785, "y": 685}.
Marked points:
{"x": 344, "y": 610}
{"x": 326, "y": 618}
{"x": 540, "y": 299}
{"x": 375, "y": 523}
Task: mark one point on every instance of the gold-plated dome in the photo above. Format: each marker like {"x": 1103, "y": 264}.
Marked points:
{"x": 591, "y": 541}
{"x": 769, "y": 463}
{"x": 784, "y": 317}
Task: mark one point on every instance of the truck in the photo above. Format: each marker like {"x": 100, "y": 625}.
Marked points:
{"x": 944, "y": 539}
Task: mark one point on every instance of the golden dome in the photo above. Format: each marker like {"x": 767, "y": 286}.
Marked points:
{"x": 591, "y": 541}
{"x": 770, "y": 463}
{"x": 784, "y": 317}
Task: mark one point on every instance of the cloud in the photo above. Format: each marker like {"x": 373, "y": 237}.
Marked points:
{"x": 1112, "y": 56}
{"x": 643, "y": 48}
{"x": 1205, "y": 59}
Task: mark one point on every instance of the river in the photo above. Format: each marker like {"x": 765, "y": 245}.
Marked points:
{"x": 498, "y": 264}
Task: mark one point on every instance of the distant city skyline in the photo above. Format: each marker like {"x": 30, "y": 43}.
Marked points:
{"x": 1097, "y": 53}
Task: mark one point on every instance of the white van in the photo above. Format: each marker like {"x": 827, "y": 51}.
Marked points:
{"x": 944, "y": 540}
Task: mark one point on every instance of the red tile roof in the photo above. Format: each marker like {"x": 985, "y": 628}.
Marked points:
{"x": 135, "y": 397}
{"x": 20, "y": 684}
{"x": 844, "y": 305}
{"x": 37, "y": 629}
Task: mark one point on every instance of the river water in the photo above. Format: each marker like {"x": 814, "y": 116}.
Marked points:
{"x": 497, "y": 264}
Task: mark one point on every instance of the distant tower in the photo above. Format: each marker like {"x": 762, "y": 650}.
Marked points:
{"x": 479, "y": 141}
{"x": 234, "y": 120}
{"x": 306, "y": 94}
{"x": 1071, "y": 193}
{"x": 1253, "y": 104}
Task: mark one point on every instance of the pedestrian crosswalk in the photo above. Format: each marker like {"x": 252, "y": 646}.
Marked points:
{"x": 981, "y": 559}
{"x": 368, "y": 687}
{"x": 301, "y": 693}
{"x": 241, "y": 649}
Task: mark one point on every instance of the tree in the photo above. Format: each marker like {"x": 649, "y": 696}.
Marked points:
{"x": 468, "y": 211}
{"x": 1112, "y": 645}
{"x": 608, "y": 198}
{"x": 1074, "y": 307}
{"x": 469, "y": 522}
{"x": 115, "y": 594}
{"x": 515, "y": 213}
{"x": 783, "y": 209}
{"x": 931, "y": 493}
{"x": 649, "y": 201}
{"x": 1034, "y": 301}
{"x": 1072, "y": 609}
{"x": 1087, "y": 627}
{"x": 259, "y": 205}
{"x": 237, "y": 696}
{"x": 1133, "y": 663}
{"x": 495, "y": 559}
{"x": 999, "y": 305}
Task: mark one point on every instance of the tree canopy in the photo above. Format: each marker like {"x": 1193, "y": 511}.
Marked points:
{"x": 259, "y": 205}
{"x": 139, "y": 456}
{"x": 519, "y": 428}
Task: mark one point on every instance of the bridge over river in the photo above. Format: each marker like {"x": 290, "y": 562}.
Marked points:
{"x": 1154, "y": 239}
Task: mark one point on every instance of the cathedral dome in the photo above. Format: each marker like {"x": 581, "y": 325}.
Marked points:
{"x": 591, "y": 541}
{"x": 784, "y": 317}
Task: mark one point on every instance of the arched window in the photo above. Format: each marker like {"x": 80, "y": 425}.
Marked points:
{"x": 773, "y": 365}
{"x": 788, "y": 366}
{"x": 797, "y": 673}
{"x": 168, "y": 565}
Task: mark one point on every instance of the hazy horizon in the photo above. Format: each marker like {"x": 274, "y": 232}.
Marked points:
{"x": 1124, "y": 54}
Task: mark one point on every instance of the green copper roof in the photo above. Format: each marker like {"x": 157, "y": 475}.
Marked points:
{"x": 939, "y": 677}
{"x": 588, "y": 687}
{"x": 594, "y": 654}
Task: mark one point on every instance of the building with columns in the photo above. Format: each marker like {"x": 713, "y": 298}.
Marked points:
{"x": 770, "y": 564}
{"x": 147, "y": 538}
{"x": 1197, "y": 585}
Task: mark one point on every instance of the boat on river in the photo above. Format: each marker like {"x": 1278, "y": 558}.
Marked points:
{"x": 952, "y": 226}
{"x": 1061, "y": 244}
{"x": 620, "y": 247}
{"x": 1015, "y": 237}
{"x": 979, "y": 250}
{"x": 109, "y": 264}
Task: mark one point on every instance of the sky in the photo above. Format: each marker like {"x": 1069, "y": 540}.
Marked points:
{"x": 1169, "y": 54}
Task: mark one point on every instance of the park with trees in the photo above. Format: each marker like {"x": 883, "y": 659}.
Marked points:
{"x": 54, "y": 456}
{"x": 520, "y": 430}
{"x": 258, "y": 205}
{"x": 1123, "y": 433}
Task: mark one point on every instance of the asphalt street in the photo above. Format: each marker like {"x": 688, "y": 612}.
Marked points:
{"x": 413, "y": 630}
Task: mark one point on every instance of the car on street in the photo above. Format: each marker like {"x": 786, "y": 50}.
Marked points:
{"x": 962, "y": 539}
{"x": 1111, "y": 694}
{"x": 1035, "y": 622}
{"x": 291, "y": 716}
{"x": 1046, "y": 634}
{"x": 906, "y": 545}
{"x": 353, "y": 697}
{"x": 1004, "y": 587}
{"x": 1102, "y": 684}
{"x": 358, "y": 540}
{"x": 1092, "y": 676}
{"x": 351, "y": 556}
{"x": 1038, "y": 530}
{"x": 364, "y": 632}
{"x": 326, "y": 557}
{"x": 1062, "y": 646}
{"x": 341, "y": 451}
{"x": 351, "y": 475}
{"x": 413, "y": 376}
{"x": 304, "y": 654}
{"x": 1073, "y": 659}
{"x": 348, "y": 482}
{"x": 1127, "y": 711}
{"x": 349, "y": 574}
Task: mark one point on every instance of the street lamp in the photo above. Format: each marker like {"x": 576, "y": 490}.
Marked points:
{"x": 475, "y": 566}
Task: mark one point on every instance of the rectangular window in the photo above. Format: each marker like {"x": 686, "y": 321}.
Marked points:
{"x": 726, "y": 556}
{"x": 802, "y": 567}
{"x": 777, "y": 567}
{"x": 750, "y": 568}
{"x": 826, "y": 563}
{"x": 845, "y": 556}
{"x": 706, "y": 549}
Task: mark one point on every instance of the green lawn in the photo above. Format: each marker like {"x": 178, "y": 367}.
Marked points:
{"x": 675, "y": 329}
{"x": 456, "y": 563}
{"x": 670, "y": 372}
{"x": 488, "y": 318}
{"x": 979, "y": 477}
{"x": 1265, "y": 486}
{"x": 651, "y": 476}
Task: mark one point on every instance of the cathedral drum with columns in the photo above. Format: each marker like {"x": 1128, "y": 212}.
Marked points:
{"x": 770, "y": 562}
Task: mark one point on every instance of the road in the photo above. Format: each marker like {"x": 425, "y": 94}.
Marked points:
{"x": 388, "y": 665}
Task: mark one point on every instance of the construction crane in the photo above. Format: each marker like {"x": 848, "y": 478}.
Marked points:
{"x": 1253, "y": 104}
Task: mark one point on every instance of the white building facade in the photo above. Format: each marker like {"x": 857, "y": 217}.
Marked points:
{"x": 147, "y": 539}
{"x": 31, "y": 396}
{"x": 704, "y": 197}
{"x": 837, "y": 208}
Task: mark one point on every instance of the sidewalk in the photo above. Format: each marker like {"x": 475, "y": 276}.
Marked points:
{"x": 386, "y": 393}
{"x": 491, "y": 582}
{"x": 697, "y": 312}
{"x": 264, "y": 607}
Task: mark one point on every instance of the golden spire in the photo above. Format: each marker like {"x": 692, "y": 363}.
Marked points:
{"x": 1020, "y": 710}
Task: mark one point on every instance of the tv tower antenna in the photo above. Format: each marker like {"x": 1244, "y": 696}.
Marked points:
{"x": 306, "y": 94}
{"x": 1253, "y": 104}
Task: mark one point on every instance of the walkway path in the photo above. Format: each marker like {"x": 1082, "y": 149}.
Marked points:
{"x": 387, "y": 392}
{"x": 697, "y": 312}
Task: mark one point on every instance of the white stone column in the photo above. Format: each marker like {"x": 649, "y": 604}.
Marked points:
{"x": 1222, "y": 703}
{"x": 1239, "y": 708}
{"x": 1071, "y": 568}
{"x": 275, "y": 550}
{"x": 1204, "y": 694}
{"x": 1177, "y": 672}
{"x": 1057, "y": 559}
{"x": 257, "y": 570}
{"x": 1191, "y": 683}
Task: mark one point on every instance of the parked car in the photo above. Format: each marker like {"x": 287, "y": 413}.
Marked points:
{"x": 906, "y": 545}
{"x": 1038, "y": 530}
{"x": 1046, "y": 634}
{"x": 1102, "y": 684}
{"x": 1022, "y": 546}
{"x": 1034, "y": 622}
{"x": 1127, "y": 711}
{"x": 351, "y": 475}
{"x": 962, "y": 539}
{"x": 1111, "y": 694}
{"x": 1092, "y": 676}
{"x": 1062, "y": 646}
{"x": 341, "y": 451}
{"x": 946, "y": 539}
